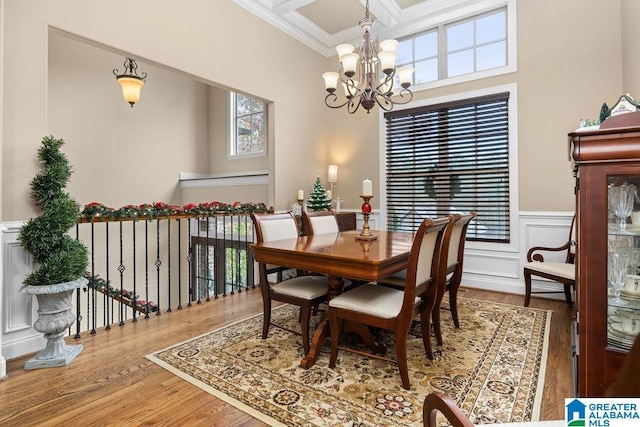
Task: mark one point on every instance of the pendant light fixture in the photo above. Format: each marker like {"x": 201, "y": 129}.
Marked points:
{"x": 130, "y": 81}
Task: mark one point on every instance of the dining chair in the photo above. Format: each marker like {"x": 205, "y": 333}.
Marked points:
{"x": 323, "y": 222}
{"x": 438, "y": 402}
{"x": 449, "y": 279}
{"x": 303, "y": 291}
{"x": 319, "y": 222}
{"x": 562, "y": 272}
{"x": 394, "y": 309}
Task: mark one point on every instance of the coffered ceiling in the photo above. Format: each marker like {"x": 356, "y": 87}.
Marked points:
{"x": 323, "y": 24}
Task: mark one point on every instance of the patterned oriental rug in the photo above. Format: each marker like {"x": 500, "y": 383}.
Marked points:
{"x": 493, "y": 367}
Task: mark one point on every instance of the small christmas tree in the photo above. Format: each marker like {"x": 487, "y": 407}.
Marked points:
{"x": 318, "y": 200}
{"x": 605, "y": 112}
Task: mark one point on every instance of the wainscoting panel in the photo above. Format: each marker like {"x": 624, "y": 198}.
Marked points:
{"x": 19, "y": 311}
{"x": 493, "y": 269}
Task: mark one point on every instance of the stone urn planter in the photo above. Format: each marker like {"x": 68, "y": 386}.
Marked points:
{"x": 61, "y": 259}
{"x": 54, "y": 318}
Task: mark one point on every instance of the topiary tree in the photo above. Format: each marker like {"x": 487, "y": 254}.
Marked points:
{"x": 318, "y": 200}
{"x": 60, "y": 257}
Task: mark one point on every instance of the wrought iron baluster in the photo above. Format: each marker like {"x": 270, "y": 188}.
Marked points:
{"x": 168, "y": 266}
{"x": 158, "y": 264}
{"x": 189, "y": 257}
{"x": 179, "y": 264}
{"x": 78, "y": 296}
{"x": 218, "y": 278}
{"x": 134, "y": 297}
{"x": 94, "y": 315}
{"x": 107, "y": 299}
{"x": 121, "y": 269}
{"x": 146, "y": 268}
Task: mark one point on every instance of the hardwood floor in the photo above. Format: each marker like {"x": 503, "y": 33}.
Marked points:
{"x": 111, "y": 383}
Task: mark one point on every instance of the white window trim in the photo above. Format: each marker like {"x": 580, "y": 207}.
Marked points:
{"x": 231, "y": 136}
{"x": 512, "y": 44}
{"x": 513, "y": 245}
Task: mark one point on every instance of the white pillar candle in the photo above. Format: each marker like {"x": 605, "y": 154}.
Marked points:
{"x": 329, "y": 194}
{"x": 367, "y": 189}
{"x": 300, "y": 195}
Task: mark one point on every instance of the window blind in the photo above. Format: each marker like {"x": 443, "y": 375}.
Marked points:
{"x": 450, "y": 158}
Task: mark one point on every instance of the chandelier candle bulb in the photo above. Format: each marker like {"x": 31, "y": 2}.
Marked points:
{"x": 367, "y": 188}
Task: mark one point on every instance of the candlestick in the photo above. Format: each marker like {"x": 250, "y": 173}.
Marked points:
{"x": 367, "y": 188}
{"x": 366, "y": 233}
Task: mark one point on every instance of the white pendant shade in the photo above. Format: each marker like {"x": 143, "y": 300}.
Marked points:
{"x": 386, "y": 85}
{"x": 350, "y": 62}
{"x": 387, "y": 59}
{"x": 331, "y": 80}
{"x": 350, "y": 88}
{"x": 343, "y": 49}
{"x": 389, "y": 45}
{"x": 405, "y": 74}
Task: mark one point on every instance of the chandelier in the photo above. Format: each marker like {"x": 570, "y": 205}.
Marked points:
{"x": 130, "y": 81}
{"x": 368, "y": 76}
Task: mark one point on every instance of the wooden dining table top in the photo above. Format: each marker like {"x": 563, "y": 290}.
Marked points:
{"x": 341, "y": 254}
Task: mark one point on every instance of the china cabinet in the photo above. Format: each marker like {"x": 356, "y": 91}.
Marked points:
{"x": 607, "y": 170}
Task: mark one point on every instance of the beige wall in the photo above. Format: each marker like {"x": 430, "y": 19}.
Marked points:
{"x": 194, "y": 39}
{"x": 570, "y": 60}
{"x": 631, "y": 47}
{"x": 123, "y": 155}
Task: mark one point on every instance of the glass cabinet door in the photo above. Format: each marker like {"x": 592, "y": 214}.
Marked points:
{"x": 623, "y": 264}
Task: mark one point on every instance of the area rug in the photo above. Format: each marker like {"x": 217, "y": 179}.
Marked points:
{"x": 493, "y": 367}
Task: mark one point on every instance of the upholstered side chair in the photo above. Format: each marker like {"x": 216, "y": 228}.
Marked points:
{"x": 394, "y": 309}
{"x": 319, "y": 222}
{"x": 562, "y": 272}
{"x": 303, "y": 291}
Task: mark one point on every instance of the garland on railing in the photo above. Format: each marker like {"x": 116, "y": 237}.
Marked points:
{"x": 129, "y": 298}
{"x": 95, "y": 211}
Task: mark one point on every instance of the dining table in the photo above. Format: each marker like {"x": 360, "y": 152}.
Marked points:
{"x": 340, "y": 256}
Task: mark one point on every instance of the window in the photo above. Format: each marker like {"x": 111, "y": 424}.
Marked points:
{"x": 451, "y": 157}
{"x": 464, "y": 47}
{"x": 477, "y": 44}
{"x": 249, "y": 125}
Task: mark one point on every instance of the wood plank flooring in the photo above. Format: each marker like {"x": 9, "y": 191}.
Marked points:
{"x": 112, "y": 384}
